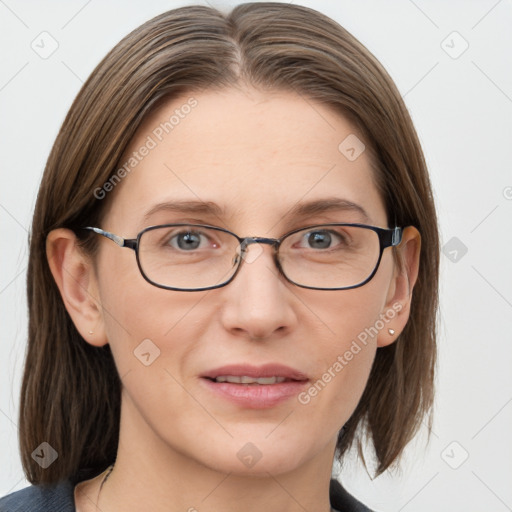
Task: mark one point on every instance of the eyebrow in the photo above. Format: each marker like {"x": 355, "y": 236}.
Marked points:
{"x": 334, "y": 204}
{"x": 310, "y": 208}
{"x": 198, "y": 207}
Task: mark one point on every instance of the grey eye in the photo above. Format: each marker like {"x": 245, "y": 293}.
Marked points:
{"x": 319, "y": 239}
{"x": 187, "y": 241}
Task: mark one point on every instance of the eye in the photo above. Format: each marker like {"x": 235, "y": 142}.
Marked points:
{"x": 189, "y": 240}
{"x": 321, "y": 239}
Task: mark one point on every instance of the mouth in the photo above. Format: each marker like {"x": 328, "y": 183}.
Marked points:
{"x": 245, "y": 379}
{"x": 248, "y": 374}
{"x": 255, "y": 387}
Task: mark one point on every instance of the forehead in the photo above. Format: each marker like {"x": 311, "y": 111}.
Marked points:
{"x": 255, "y": 154}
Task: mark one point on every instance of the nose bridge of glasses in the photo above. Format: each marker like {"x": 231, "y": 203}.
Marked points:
{"x": 259, "y": 240}
{"x": 250, "y": 240}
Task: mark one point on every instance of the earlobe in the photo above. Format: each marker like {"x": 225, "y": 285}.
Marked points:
{"x": 74, "y": 275}
{"x": 398, "y": 302}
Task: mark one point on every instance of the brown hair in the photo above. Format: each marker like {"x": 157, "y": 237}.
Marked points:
{"x": 71, "y": 391}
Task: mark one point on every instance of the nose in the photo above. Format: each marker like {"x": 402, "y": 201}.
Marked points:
{"x": 258, "y": 303}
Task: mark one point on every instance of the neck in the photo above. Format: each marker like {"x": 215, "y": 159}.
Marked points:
{"x": 149, "y": 474}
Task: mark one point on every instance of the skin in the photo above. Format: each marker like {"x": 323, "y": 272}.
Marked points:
{"x": 256, "y": 154}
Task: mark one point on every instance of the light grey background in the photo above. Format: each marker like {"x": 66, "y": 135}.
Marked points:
{"x": 461, "y": 104}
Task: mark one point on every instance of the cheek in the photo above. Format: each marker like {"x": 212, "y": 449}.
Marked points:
{"x": 152, "y": 334}
{"x": 348, "y": 316}
{"x": 141, "y": 318}
{"x": 346, "y": 350}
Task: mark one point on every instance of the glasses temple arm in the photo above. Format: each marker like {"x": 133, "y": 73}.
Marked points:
{"x": 115, "y": 238}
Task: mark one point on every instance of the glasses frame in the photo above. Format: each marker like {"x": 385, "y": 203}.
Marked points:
{"x": 388, "y": 237}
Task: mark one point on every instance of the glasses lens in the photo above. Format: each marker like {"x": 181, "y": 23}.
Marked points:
{"x": 188, "y": 256}
{"x": 330, "y": 256}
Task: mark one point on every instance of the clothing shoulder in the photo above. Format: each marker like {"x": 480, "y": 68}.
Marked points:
{"x": 39, "y": 498}
{"x": 343, "y": 501}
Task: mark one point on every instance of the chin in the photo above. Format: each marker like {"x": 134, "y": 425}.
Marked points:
{"x": 256, "y": 459}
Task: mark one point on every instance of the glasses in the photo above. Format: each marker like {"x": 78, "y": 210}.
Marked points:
{"x": 196, "y": 257}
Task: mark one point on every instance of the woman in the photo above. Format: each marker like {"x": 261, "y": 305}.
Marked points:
{"x": 233, "y": 272}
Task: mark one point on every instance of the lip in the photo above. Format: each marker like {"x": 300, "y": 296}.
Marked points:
{"x": 267, "y": 370}
{"x": 256, "y": 396}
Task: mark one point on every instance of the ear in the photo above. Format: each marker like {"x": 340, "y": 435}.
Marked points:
{"x": 75, "y": 277}
{"x": 398, "y": 301}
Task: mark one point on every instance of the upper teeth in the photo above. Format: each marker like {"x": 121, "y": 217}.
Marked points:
{"x": 249, "y": 380}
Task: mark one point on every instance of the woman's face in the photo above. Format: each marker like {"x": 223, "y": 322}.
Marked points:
{"x": 257, "y": 157}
